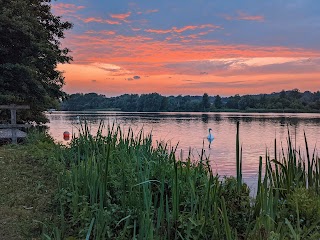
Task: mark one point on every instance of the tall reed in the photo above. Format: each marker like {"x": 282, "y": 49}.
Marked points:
{"x": 119, "y": 185}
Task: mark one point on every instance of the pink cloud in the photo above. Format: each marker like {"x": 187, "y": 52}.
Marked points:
{"x": 103, "y": 32}
{"x": 159, "y": 31}
{"x": 100, "y": 20}
{"x": 183, "y": 29}
{"x": 143, "y": 54}
{"x": 65, "y": 9}
{"x": 121, "y": 16}
{"x": 152, "y": 11}
{"x": 244, "y": 16}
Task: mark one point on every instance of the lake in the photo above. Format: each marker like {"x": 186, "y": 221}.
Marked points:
{"x": 189, "y": 131}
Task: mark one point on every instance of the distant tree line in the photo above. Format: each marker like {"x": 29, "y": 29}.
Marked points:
{"x": 287, "y": 101}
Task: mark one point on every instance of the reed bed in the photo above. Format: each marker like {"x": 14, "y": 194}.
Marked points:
{"x": 119, "y": 185}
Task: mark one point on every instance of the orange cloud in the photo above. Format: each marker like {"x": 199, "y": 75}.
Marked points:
{"x": 251, "y": 84}
{"x": 79, "y": 79}
{"x": 139, "y": 48}
{"x": 247, "y": 66}
{"x": 110, "y": 59}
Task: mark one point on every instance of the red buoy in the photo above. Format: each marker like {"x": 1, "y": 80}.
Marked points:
{"x": 66, "y": 136}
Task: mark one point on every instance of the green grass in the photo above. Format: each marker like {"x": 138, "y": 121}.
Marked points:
{"x": 28, "y": 184}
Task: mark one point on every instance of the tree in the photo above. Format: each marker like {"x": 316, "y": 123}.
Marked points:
{"x": 233, "y": 102}
{"x": 283, "y": 94}
{"x": 30, "y": 50}
{"x": 295, "y": 93}
{"x": 218, "y": 102}
{"x": 164, "y": 104}
{"x": 205, "y": 101}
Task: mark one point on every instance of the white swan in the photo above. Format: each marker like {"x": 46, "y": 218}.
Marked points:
{"x": 210, "y": 136}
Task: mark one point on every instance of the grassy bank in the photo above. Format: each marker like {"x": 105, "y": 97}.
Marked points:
{"x": 28, "y": 183}
{"x": 119, "y": 186}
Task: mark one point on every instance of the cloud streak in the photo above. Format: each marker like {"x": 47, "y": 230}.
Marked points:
{"x": 66, "y": 9}
{"x": 121, "y": 16}
{"x": 103, "y": 32}
{"x": 182, "y": 29}
{"x": 100, "y": 20}
{"x": 244, "y": 16}
{"x": 152, "y": 11}
{"x": 248, "y": 66}
{"x": 145, "y": 51}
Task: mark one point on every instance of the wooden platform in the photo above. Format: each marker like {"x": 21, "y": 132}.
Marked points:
{"x": 7, "y": 134}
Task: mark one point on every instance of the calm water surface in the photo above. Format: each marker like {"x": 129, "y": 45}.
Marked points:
{"x": 257, "y": 133}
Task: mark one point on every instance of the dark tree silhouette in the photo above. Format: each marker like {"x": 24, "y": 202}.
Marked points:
{"x": 30, "y": 51}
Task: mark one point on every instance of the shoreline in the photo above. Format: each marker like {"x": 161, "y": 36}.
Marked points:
{"x": 203, "y": 112}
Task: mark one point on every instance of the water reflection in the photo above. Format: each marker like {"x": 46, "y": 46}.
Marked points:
{"x": 190, "y": 130}
{"x": 217, "y": 117}
{"x": 283, "y": 119}
{"x": 205, "y": 118}
{"x": 210, "y": 140}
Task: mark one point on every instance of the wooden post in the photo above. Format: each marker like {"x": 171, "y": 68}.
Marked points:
{"x": 13, "y": 126}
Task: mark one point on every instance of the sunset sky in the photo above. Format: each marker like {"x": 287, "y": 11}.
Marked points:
{"x": 190, "y": 47}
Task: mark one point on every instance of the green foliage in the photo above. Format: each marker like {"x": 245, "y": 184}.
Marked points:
{"x": 136, "y": 190}
{"x": 239, "y": 205}
{"x": 30, "y": 51}
{"x": 121, "y": 185}
{"x": 83, "y": 102}
{"x": 153, "y": 102}
{"x": 233, "y": 102}
{"x": 205, "y": 101}
{"x": 218, "y": 102}
{"x": 308, "y": 203}
{"x": 150, "y": 103}
{"x": 288, "y": 101}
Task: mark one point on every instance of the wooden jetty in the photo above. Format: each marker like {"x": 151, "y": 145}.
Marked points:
{"x": 7, "y": 133}
{"x": 11, "y": 130}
